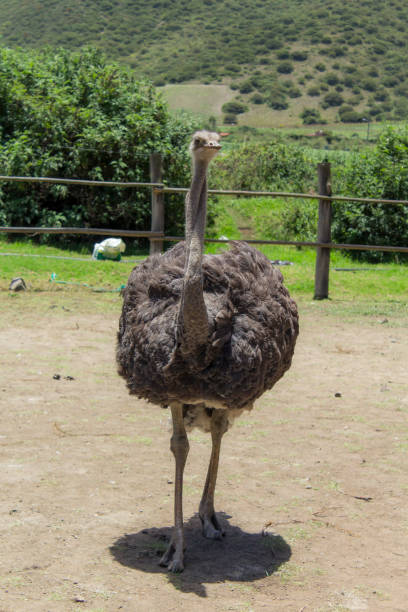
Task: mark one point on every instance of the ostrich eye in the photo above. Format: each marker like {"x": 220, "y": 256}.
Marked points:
{"x": 197, "y": 142}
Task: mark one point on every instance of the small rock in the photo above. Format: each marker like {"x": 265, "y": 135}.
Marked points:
{"x": 337, "y": 395}
{"x": 169, "y": 482}
{"x": 57, "y": 376}
{"x": 17, "y": 284}
{"x": 79, "y": 599}
{"x": 69, "y": 378}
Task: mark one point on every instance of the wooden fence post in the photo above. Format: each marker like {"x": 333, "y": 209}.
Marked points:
{"x": 156, "y": 172}
{"x": 323, "y": 233}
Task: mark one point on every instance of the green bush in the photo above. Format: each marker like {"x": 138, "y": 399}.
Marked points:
{"x": 257, "y": 98}
{"x": 72, "y": 115}
{"x": 230, "y": 119}
{"x": 284, "y": 54}
{"x": 285, "y": 67}
{"x": 381, "y": 173}
{"x": 311, "y": 116}
{"x": 246, "y": 87}
{"x": 299, "y": 56}
{"x": 331, "y": 78}
{"x": 277, "y": 100}
{"x": 369, "y": 84}
{"x": 234, "y": 107}
{"x": 332, "y": 99}
{"x": 275, "y": 165}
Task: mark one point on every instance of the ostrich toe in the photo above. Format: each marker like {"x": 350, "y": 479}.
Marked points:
{"x": 211, "y": 527}
{"x": 173, "y": 559}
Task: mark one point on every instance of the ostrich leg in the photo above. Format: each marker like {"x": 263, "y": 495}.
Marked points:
{"x": 173, "y": 557}
{"x": 211, "y": 527}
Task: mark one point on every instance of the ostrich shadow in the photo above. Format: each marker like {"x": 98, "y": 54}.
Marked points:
{"x": 240, "y": 556}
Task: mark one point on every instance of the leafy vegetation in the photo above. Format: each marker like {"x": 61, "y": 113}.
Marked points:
{"x": 71, "y": 114}
{"x": 360, "y": 46}
{"x": 263, "y": 166}
{"x": 380, "y": 173}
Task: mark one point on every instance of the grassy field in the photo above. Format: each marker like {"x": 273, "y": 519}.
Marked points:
{"x": 373, "y": 290}
{"x": 202, "y": 100}
{"x": 207, "y": 100}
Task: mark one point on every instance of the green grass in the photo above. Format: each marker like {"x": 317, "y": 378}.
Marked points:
{"x": 376, "y": 291}
{"x": 203, "y": 100}
{"x": 36, "y": 263}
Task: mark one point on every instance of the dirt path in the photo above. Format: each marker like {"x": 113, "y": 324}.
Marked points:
{"x": 86, "y": 477}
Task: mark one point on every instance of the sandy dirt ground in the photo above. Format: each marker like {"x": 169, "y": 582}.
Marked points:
{"x": 321, "y": 464}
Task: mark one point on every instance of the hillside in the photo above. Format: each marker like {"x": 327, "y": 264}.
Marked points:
{"x": 336, "y": 60}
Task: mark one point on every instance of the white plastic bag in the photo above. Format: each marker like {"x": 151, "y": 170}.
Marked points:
{"x": 111, "y": 248}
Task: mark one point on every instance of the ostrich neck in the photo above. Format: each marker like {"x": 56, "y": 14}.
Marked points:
{"x": 193, "y": 319}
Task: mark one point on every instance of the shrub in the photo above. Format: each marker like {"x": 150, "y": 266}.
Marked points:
{"x": 313, "y": 91}
{"x": 258, "y": 166}
{"x": 381, "y": 95}
{"x": 230, "y": 119}
{"x": 336, "y": 51}
{"x": 369, "y": 84}
{"x": 299, "y": 56}
{"x": 348, "y": 115}
{"x": 234, "y": 108}
{"x": 381, "y": 173}
{"x": 349, "y": 81}
{"x": 390, "y": 81}
{"x": 246, "y": 87}
{"x": 278, "y": 101}
{"x": 71, "y": 114}
{"x": 331, "y": 78}
{"x": 379, "y": 49}
{"x": 284, "y": 54}
{"x": 285, "y": 67}
{"x": 257, "y": 98}
{"x": 294, "y": 92}
{"x": 274, "y": 43}
{"x": 333, "y": 99}
{"x": 320, "y": 67}
{"x": 311, "y": 116}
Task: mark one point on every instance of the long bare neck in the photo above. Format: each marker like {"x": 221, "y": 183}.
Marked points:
{"x": 193, "y": 319}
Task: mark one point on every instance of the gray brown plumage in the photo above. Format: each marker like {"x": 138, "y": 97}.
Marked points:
{"x": 204, "y": 334}
{"x": 252, "y": 330}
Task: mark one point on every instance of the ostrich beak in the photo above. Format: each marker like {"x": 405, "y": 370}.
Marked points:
{"x": 213, "y": 144}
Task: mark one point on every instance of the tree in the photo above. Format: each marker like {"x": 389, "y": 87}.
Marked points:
{"x": 381, "y": 173}
{"x": 234, "y": 108}
{"x": 71, "y": 114}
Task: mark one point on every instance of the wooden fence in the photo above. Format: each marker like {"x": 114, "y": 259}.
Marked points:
{"x": 156, "y": 235}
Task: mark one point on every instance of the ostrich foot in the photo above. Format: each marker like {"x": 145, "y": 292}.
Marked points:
{"x": 211, "y": 526}
{"x": 173, "y": 558}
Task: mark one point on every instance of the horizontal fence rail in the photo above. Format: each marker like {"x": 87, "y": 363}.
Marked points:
{"x": 162, "y": 188}
{"x": 91, "y": 231}
{"x": 286, "y": 194}
{"x": 325, "y": 245}
{"x": 65, "y": 181}
{"x": 157, "y": 237}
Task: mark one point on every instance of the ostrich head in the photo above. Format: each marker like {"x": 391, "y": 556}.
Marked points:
{"x": 205, "y": 145}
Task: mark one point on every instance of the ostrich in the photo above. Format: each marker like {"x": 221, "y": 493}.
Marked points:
{"x": 204, "y": 335}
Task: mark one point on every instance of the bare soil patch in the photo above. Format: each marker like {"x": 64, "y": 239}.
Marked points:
{"x": 86, "y": 474}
